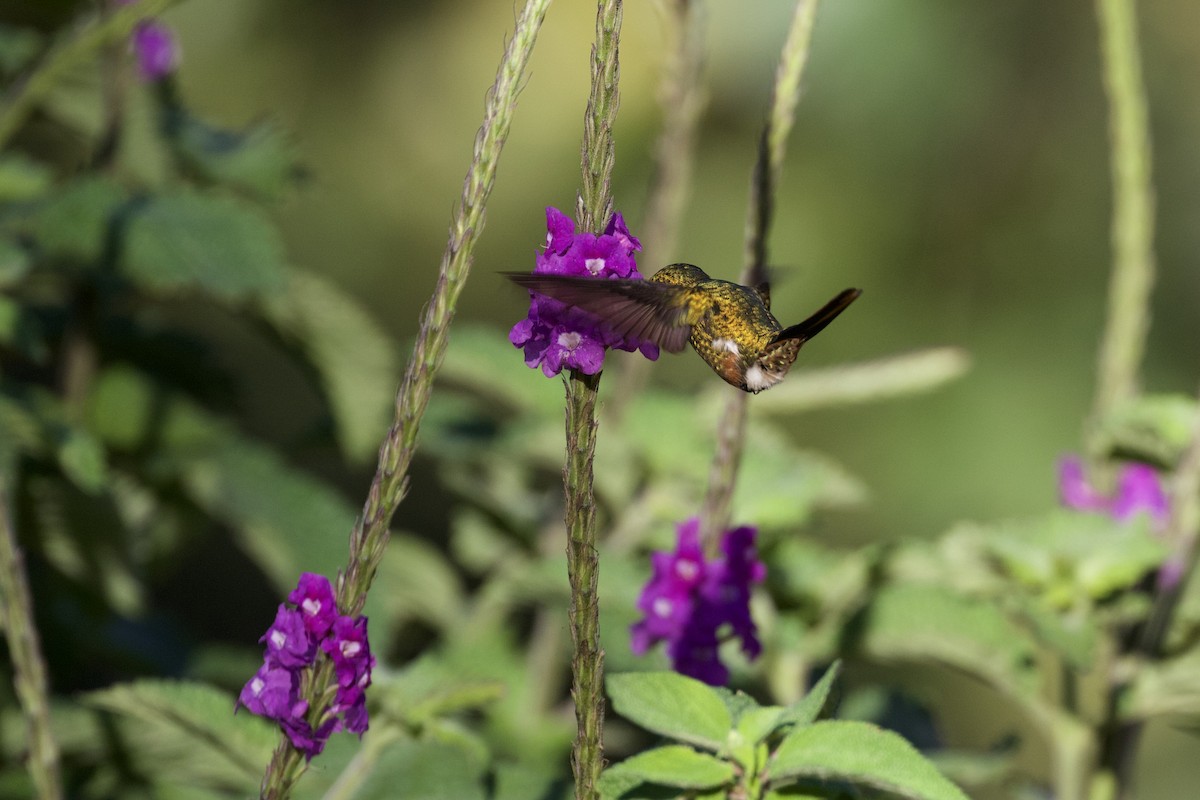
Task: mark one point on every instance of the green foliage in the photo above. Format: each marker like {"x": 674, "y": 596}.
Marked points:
{"x": 184, "y": 735}
{"x": 758, "y": 751}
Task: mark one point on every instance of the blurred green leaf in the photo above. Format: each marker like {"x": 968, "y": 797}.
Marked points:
{"x": 417, "y": 582}
{"x": 1151, "y": 427}
{"x": 671, "y": 765}
{"x": 18, "y": 46}
{"x": 74, "y": 223}
{"x": 355, "y": 358}
{"x": 219, "y": 245}
{"x": 930, "y": 623}
{"x": 82, "y": 460}
{"x": 1067, "y": 554}
{"x": 1071, "y": 634}
{"x": 1167, "y": 688}
{"x": 527, "y": 781}
{"x": 260, "y": 160}
{"x": 673, "y": 705}
{"x": 187, "y": 733}
{"x": 813, "y": 705}
{"x": 21, "y": 330}
{"x": 22, "y": 178}
{"x": 14, "y": 265}
{"x": 974, "y": 769}
{"x": 861, "y": 754}
{"x": 416, "y": 770}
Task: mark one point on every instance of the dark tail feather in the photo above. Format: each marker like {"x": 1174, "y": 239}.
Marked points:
{"x": 817, "y": 322}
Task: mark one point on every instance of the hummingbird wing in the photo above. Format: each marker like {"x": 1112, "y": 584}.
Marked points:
{"x": 635, "y": 309}
{"x": 803, "y": 331}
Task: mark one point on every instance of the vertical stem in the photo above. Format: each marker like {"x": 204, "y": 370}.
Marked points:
{"x": 785, "y": 94}
{"x": 593, "y": 209}
{"x": 370, "y": 534}
{"x": 1133, "y": 213}
{"x": 29, "y": 670}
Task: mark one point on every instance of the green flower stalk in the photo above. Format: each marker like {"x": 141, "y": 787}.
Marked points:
{"x": 370, "y": 534}
{"x": 1133, "y": 214}
{"x": 785, "y": 95}
{"x": 29, "y": 670}
{"x": 593, "y": 210}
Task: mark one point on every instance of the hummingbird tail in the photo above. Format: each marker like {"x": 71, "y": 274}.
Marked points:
{"x": 803, "y": 331}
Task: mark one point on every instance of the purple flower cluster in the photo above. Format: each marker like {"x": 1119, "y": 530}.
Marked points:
{"x": 1138, "y": 490}
{"x": 689, "y": 601}
{"x": 554, "y": 335}
{"x": 155, "y": 46}
{"x": 293, "y": 642}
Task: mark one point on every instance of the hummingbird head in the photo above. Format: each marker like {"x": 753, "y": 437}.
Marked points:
{"x": 684, "y": 275}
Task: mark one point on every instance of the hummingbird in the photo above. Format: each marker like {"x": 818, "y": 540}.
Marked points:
{"x": 731, "y": 326}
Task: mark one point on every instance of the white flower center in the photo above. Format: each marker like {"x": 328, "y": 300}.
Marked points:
{"x": 278, "y": 638}
{"x": 570, "y": 340}
{"x": 257, "y": 685}
{"x": 686, "y": 569}
{"x": 350, "y": 649}
{"x": 311, "y": 607}
{"x": 594, "y": 265}
{"x": 662, "y": 607}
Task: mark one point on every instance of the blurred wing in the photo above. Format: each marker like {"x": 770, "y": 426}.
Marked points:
{"x": 803, "y": 331}
{"x": 635, "y": 309}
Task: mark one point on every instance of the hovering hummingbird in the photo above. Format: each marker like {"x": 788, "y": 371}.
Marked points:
{"x": 731, "y": 326}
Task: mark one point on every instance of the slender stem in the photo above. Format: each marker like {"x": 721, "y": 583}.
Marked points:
{"x": 1133, "y": 214}
{"x": 29, "y": 669}
{"x": 370, "y": 534}
{"x": 681, "y": 98}
{"x": 98, "y": 31}
{"x": 593, "y": 209}
{"x": 785, "y": 95}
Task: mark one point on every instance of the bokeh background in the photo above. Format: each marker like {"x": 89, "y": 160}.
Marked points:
{"x": 949, "y": 158}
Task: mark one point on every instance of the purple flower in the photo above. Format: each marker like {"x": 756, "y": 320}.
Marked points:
{"x": 273, "y": 692}
{"x": 155, "y": 46}
{"x": 692, "y": 603}
{"x": 314, "y": 599}
{"x": 288, "y": 643}
{"x": 1138, "y": 490}
{"x": 294, "y": 643}
{"x": 554, "y": 335}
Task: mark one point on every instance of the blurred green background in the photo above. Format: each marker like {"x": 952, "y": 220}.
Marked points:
{"x": 949, "y": 158}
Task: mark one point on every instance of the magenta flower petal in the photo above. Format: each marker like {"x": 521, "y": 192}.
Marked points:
{"x": 271, "y": 693}
{"x": 156, "y": 49}
{"x": 1138, "y": 490}
{"x": 287, "y": 640}
{"x": 314, "y": 599}
{"x": 1074, "y": 488}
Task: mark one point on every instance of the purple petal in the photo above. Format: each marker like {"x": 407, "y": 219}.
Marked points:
{"x": 1074, "y": 489}
{"x": 288, "y": 642}
{"x": 560, "y": 229}
{"x": 1139, "y": 489}
{"x": 156, "y": 49}
{"x": 314, "y": 599}
{"x": 271, "y": 693}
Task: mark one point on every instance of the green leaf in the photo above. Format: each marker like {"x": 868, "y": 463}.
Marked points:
{"x": 415, "y": 581}
{"x": 523, "y": 781}
{"x": 288, "y": 521}
{"x": 14, "y": 265}
{"x": 1151, "y": 427}
{"x": 862, "y": 754}
{"x": 1166, "y": 688}
{"x": 355, "y": 358}
{"x": 260, "y": 160}
{"x": 22, "y": 178}
{"x": 672, "y": 765}
{"x": 18, "y": 46}
{"x": 82, "y": 460}
{"x": 74, "y": 223}
{"x": 187, "y": 733}
{"x": 673, "y": 705}
{"x": 929, "y": 623}
{"x": 809, "y": 708}
{"x": 218, "y": 245}
{"x": 485, "y": 362}
{"x": 417, "y": 770}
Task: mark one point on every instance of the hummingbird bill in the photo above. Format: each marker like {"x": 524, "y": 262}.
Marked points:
{"x": 731, "y": 326}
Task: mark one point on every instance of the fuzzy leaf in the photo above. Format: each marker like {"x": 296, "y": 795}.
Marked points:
{"x": 187, "y": 733}
{"x": 219, "y": 245}
{"x": 74, "y": 223}
{"x": 1152, "y": 427}
{"x": 673, "y": 705}
{"x": 416, "y": 770}
{"x": 22, "y": 178}
{"x": 862, "y": 754}
{"x": 929, "y": 623}
{"x": 356, "y": 359}
{"x": 809, "y": 708}
{"x": 672, "y": 765}
{"x": 260, "y": 160}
